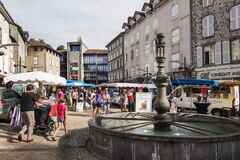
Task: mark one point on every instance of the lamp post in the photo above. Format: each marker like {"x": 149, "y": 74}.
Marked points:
{"x": 161, "y": 104}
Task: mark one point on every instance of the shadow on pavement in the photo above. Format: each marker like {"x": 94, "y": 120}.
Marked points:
{"x": 29, "y": 152}
{"x": 74, "y": 146}
{"x": 80, "y": 114}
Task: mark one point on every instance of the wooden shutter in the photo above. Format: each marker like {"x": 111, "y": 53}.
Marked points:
{"x": 218, "y": 53}
{"x": 226, "y": 52}
{"x": 204, "y": 2}
{"x": 237, "y": 16}
{"x": 210, "y": 25}
{"x": 199, "y": 57}
{"x": 233, "y": 18}
{"x": 204, "y": 27}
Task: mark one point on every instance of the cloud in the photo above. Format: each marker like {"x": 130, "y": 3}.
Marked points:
{"x": 60, "y": 21}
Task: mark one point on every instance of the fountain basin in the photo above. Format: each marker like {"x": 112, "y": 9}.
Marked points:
{"x": 191, "y": 137}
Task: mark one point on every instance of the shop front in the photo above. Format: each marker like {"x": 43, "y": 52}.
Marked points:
{"x": 226, "y": 72}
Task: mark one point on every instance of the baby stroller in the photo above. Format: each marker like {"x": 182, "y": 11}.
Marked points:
{"x": 44, "y": 125}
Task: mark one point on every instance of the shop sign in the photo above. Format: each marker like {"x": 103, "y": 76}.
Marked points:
{"x": 143, "y": 102}
{"x": 220, "y": 75}
{"x": 75, "y": 68}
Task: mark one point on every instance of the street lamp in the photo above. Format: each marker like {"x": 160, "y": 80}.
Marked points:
{"x": 161, "y": 104}
{"x": 160, "y": 46}
{"x": 9, "y": 45}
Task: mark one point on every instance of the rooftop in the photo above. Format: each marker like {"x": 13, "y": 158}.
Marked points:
{"x": 96, "y": 51}
{"x": 40, "y": 43}
{"x": 115, "y": 38}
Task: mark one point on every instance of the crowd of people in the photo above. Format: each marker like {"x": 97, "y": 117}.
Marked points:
{"x": 38, "y": 104}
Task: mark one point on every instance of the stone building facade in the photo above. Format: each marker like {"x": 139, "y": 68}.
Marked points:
{"x": 42, "y": 57}
{"x": 75, "y": 66}
{"x": 170, "y": 17}
{"x": 116, "y": 58}
{"x": 216, "y": 38}
{"x": 95, "y": 66}
{"x": 63, "y": 62}
{"x": 13, "y": 58}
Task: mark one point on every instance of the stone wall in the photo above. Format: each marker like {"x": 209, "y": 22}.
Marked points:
{"x": 139, "y": 40}
{"x": 220, "y": 9}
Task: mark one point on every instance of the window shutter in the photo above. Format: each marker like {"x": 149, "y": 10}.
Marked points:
{"x": 204, "y": 3}
{"x": 237, "y": 10}
{"x": 199, "y": 57}
{"x": 226, "y": 52}
{"x": 218, "y": 53}
{"x": 233, "y": 18}
{"x": 211, "y": 25}
{"x": 204, "y": 26}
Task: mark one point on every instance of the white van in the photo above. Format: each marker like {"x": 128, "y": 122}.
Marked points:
{"x": 224, "y": 96}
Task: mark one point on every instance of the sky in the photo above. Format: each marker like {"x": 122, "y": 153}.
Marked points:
{"x": 60, "y": 21}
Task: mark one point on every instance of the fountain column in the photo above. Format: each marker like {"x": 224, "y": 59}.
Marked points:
{"x": 161, "y": 120}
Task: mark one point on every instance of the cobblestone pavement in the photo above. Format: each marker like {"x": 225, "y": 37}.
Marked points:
{"x": 42, "y": 149}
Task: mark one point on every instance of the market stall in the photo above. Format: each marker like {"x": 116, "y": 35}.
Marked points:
{"x": 128, "y": 85}
{"x": 38, "y": 76}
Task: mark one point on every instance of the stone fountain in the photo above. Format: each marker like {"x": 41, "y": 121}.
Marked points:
{"x": 162, "y": 135}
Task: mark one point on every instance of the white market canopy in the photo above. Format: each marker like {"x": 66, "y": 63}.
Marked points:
{"x": 38, "y": 76}
{"x": 127, "y": 85}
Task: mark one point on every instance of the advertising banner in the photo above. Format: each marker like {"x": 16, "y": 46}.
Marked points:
{"x": 144, "y": 102}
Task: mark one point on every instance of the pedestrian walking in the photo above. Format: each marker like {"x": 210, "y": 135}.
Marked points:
{"x": 93, "y": 101}
{"x": 106, "y": 101}
{"x": 41, "y": 90}
{"x": 98, "y": 103}
{"x": 131, "y": 100}
{"x": 27, "y": 103}
{"x": 75, "y": 98}
{"x": 173, "y": 104}
{"x": 125, "y": 101}
{"x": 61, "y": 118}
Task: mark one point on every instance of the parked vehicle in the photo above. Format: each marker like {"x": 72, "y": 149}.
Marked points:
{"x": 224, "y": 96}
{"x": 8, "y": 99}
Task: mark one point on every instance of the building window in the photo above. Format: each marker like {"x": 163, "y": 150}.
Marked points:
{"x": 132, "y": 54}
{"x": 35, "y": 60}
{"x": 235, "y": 17}
{"x": 207, "y": 3}
{"x": 208, "y": 26}
{"x": 235, "y": 49}
{"x": 175, "y": 61}
{"x": 174, "y": 10}
{"x": 75, "y": 48}
{"x": 209, "y": 54}
{"x": 147, "y": 30}
{"x": 35, "y": 49}
{"x": 176, "y": 36}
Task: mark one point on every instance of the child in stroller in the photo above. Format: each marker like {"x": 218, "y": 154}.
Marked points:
{"x": 44, "y": 125}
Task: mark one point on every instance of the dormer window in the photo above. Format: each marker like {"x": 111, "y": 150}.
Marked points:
{"x": 125, "y": 26}
{"x": 147, "y": 7}
{"x": 155, "y": 2}
{"x": 131, "y": 21}
{"x": 139, "y": 15}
